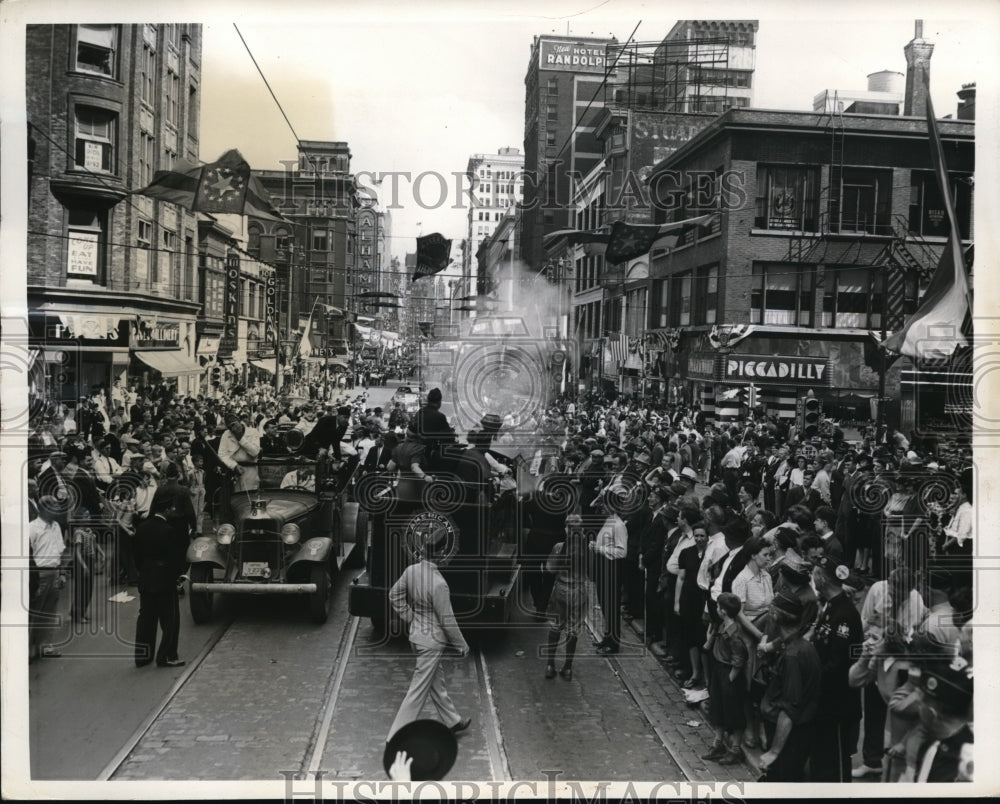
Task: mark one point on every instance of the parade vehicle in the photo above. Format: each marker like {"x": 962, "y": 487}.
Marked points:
{"x": 473, "y": 525}
{"x": 407, "y": 396}
{"x": 289, "y": 536}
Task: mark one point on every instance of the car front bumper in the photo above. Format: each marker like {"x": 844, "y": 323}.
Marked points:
{"x": 256, "y": 588}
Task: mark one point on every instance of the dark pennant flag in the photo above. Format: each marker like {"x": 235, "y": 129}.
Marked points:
{"x": 433, "y": 255}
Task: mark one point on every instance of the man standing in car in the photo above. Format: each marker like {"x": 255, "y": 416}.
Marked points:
{"x": 238, "y": 450}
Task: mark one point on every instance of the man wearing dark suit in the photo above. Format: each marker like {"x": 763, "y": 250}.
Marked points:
{"x": 651, "y": 543}
{"x": 805, "y": 494}
{"x": 159, "y": 554}
{"x": 432, "y": 425}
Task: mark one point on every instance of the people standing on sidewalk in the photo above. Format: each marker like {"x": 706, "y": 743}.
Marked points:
{"x": 727, "y": 687}
{"x": 567, "y": 563}
{"x": 49, "y": 564}
{"x": 422, "y": 601}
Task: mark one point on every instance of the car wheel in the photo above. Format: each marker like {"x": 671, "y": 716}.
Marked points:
{"x": 201, "y": 602}
{"x": 321, "y": 599}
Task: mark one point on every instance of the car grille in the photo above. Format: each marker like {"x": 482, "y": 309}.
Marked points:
{"x": 257, "y": 548}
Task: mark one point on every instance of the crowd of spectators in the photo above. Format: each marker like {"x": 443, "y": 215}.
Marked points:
{"x": 810, "y": 595}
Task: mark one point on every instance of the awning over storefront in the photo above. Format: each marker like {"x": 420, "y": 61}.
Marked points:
{"x": 330, "y": 361}
{"x": 267, "y": 365}
{"x": 168, "y": 363}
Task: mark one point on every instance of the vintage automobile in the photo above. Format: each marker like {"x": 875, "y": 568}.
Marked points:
{"x": 408, "y": 396}
{"x": 462, "y": 509}
{"x": 289, "y": 536}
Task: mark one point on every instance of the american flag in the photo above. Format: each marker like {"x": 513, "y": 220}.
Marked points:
{"x": 618, "y": 346}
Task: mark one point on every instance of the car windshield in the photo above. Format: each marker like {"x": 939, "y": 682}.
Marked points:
{"x": 280, "y": 472}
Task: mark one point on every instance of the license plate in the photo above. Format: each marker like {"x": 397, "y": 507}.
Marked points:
{"x": 255, "y": 569}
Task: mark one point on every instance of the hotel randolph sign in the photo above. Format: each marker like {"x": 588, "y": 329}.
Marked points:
{"x": 804, "y": 372}
{"x": 577, "y": 57}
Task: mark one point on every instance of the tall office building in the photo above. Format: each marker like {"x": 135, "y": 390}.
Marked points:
{"x": 496, "y": 186}
{"x": 563, "y": 97}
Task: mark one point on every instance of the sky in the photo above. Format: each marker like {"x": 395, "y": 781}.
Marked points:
{"x": 422, "y": 88}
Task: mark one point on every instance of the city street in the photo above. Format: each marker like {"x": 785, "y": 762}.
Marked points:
{"x": 265, "y": 692}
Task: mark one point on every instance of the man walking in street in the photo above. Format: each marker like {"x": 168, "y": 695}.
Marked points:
{"x": 422, "y": 600}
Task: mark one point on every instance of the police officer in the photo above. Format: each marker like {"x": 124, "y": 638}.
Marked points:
{"x": 940, "y": 748}
{"x": 837, "y": 637}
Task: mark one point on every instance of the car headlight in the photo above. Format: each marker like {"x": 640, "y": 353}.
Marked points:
{"x": 225, "y": 534}
{"x": 290, "y": 533}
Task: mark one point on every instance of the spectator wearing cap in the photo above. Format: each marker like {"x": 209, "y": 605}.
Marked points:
{"x": 238, "y": 451}
{"x": 824, "y": 521}
{"x": 652, "y": 540}
{"x": 792, "y": 696}
{"x": 940, "y": 749}
{"x": 690, "y": 477}
{"x": 836, "y": 636}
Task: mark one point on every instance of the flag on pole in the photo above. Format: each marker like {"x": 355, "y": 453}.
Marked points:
{"x": 934, "y": 331}
{"x": 631, "y": 240}
{"x": 433, "y": 255}
{"x": 223, "y": 186}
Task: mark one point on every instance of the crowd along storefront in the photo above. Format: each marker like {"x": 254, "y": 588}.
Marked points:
{"x": 700, "y": 367}
{"x": 74, "y": 351}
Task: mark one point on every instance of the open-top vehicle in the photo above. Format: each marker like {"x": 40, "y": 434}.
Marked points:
{"x": 461, "y": 509}
{"x": 288, "y": 536}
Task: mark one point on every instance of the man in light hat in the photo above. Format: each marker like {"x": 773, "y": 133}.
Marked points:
{"x": 690, "y": 477}
{"x": 238, "y": 450}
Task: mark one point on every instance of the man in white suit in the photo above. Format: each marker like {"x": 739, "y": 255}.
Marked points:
{"x": 422, "y": 600}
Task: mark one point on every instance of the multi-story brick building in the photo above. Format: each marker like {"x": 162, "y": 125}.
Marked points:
{"x": 314, "y": 251}
{"x": 562, "y": 99}
{"x": 832, "y": 226}
{"x": 112, "y": 278}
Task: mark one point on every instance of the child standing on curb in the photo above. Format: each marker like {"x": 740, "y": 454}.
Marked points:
{"x": 727, "y": 688}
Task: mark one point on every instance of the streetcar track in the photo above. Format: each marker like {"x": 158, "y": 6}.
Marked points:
{"x": 128, "y": 747}
{"x": 499, "y": 762}
{"x": 331, "y": 695}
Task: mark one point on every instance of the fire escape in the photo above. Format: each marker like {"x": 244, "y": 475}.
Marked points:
{"x": 905, "y": 255}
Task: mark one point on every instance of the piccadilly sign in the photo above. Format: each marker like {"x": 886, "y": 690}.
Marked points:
{"x": 770, "y": 370}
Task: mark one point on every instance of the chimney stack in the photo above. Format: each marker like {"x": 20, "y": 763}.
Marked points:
{"x": 918, "y": 60}
{"x": 967, "y": 102}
